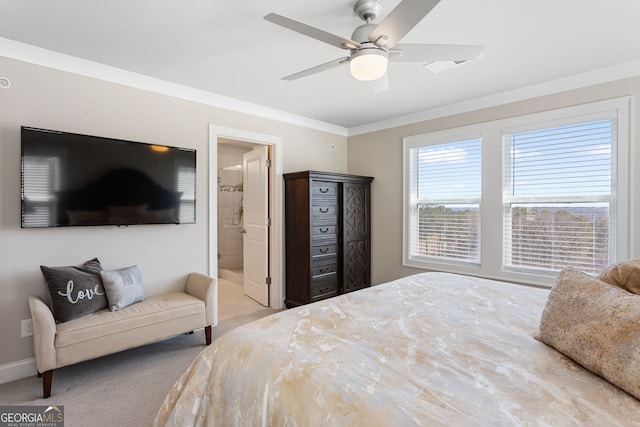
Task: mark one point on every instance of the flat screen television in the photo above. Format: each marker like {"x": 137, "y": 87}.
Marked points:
{"x": 80, "y": 180}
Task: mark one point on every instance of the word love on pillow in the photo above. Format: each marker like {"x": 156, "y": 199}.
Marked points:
{"x": 75, "y": 291}
{"x": 73, "y": 296}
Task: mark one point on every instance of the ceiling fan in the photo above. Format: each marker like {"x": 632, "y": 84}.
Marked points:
{"x": 373, "y": 46}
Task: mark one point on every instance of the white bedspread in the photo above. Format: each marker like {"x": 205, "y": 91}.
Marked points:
{"x": 431, "y": 349}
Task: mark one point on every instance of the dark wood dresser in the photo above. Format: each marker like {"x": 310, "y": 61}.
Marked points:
{"x": 327, "y": 235}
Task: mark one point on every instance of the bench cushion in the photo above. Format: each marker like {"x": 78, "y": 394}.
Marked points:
{"x": 104, "y": 323}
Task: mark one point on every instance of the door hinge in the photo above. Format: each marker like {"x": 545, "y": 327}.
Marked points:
{"x": 267, "y": 163}
{"x": 268, "y": 222}
{"x": 268, "y": 281}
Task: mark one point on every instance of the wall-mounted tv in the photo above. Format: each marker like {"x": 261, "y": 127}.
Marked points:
{"x": 79, "y": 180}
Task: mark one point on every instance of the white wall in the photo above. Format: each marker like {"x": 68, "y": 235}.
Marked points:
{"x": 46, "y": 98}
{"x": 379, "y": 154}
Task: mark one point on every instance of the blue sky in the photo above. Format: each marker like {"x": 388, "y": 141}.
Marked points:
{"x": 567, "y": 160}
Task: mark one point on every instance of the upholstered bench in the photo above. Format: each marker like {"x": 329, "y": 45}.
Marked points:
{"x": 105, "y": 332}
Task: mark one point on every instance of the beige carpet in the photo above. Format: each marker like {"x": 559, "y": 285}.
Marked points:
{"x": 123, "y": 389}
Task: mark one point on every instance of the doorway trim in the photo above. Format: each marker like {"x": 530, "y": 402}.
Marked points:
{"x": 276, "y": 261}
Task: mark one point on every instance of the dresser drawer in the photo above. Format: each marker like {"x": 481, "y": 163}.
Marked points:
{"x": 324, "y": 288}
{"x": 324, "y": 249}
{"x": 322, "y": 268}
{"x": 324, "y": 213}
{"x": 323, "y": 230}
{"x": 324, "y": 189}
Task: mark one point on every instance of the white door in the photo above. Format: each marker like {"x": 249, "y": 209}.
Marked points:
{"x": 256, "y": 231}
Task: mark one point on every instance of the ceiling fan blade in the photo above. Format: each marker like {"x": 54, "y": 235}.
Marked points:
{"x": 318, "y": 68}
{"x": 434, "y": 52}
{"x": 312, "y": 32}
{"x": 400, "y": 21}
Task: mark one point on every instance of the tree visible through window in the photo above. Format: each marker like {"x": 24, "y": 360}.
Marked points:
{"x": 446, "y": 181}
{"x": 558, "y": 196}
{"x": 521, "y": 198}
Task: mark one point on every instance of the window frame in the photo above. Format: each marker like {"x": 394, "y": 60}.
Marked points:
{"x": 491, "y": 205}
{"x": 434, "y": 140}
{"x": 609, "y": 199}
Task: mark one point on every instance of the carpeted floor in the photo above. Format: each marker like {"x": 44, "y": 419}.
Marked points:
{"x": 123, "y": 389}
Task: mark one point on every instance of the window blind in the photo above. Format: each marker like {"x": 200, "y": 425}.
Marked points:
{"x": 558, "y": 196}
{"x": 445, "y": 201}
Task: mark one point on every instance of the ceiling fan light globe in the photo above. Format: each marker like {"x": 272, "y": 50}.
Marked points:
{"x": 368, "y": 64}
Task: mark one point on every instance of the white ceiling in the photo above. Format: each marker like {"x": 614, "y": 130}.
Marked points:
{"x": 225, "y": 47}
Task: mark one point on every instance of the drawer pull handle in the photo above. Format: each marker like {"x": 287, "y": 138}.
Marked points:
{"x": 324, "y": 230}
{"x": 324, "y": 250}
{"x": 324, "y": 190}
{"x": 324, "y": 210}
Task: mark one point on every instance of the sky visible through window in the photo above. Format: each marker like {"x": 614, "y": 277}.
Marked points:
{"x": 537, "y": 164}
{"x": 572, "y": 160}
{"x": 518, "y": 197}
{"x": 450, "y": 170}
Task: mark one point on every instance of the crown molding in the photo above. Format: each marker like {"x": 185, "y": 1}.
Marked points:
{"x": 59, "y": 61}
{"x": 589, "y": 78}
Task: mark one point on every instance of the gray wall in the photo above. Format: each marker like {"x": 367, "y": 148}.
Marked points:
{"x": 46, "y": 98}
{"x": 379, "y": 154}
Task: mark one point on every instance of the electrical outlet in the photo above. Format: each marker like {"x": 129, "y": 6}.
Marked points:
{"x": 27, "y": 328}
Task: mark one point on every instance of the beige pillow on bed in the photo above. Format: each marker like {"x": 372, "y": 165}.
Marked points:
{"x": 597, "y": 325}
{"x": 625, "y": 275}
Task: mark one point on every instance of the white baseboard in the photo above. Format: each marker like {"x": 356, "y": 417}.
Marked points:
{"x": 231, "y": 275}
{"x": 18, "y": 370}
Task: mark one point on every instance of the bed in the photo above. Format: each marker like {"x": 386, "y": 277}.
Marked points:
{"x": 430, "y": 349}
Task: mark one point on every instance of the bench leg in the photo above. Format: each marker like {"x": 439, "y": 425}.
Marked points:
{"x": 207, "y": 334}
{"x": 47, "y": 377}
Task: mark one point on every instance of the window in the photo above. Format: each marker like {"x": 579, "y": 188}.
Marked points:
{"x": 559, "y": 196}
{"x": 519, "y": 199}
{"x": 445, "y": 201}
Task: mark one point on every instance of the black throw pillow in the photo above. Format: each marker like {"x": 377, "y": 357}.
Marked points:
{"x": 75, "y": 291}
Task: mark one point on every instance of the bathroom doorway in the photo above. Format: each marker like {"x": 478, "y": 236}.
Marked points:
{"x": 219, "y": 135}
{"x": 231, "y": 208}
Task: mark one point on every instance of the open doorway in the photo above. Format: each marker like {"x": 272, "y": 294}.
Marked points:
{"x": 228, "y": 216}
{"x": 231, "y": 208}
{"x": 243, "y": 250}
